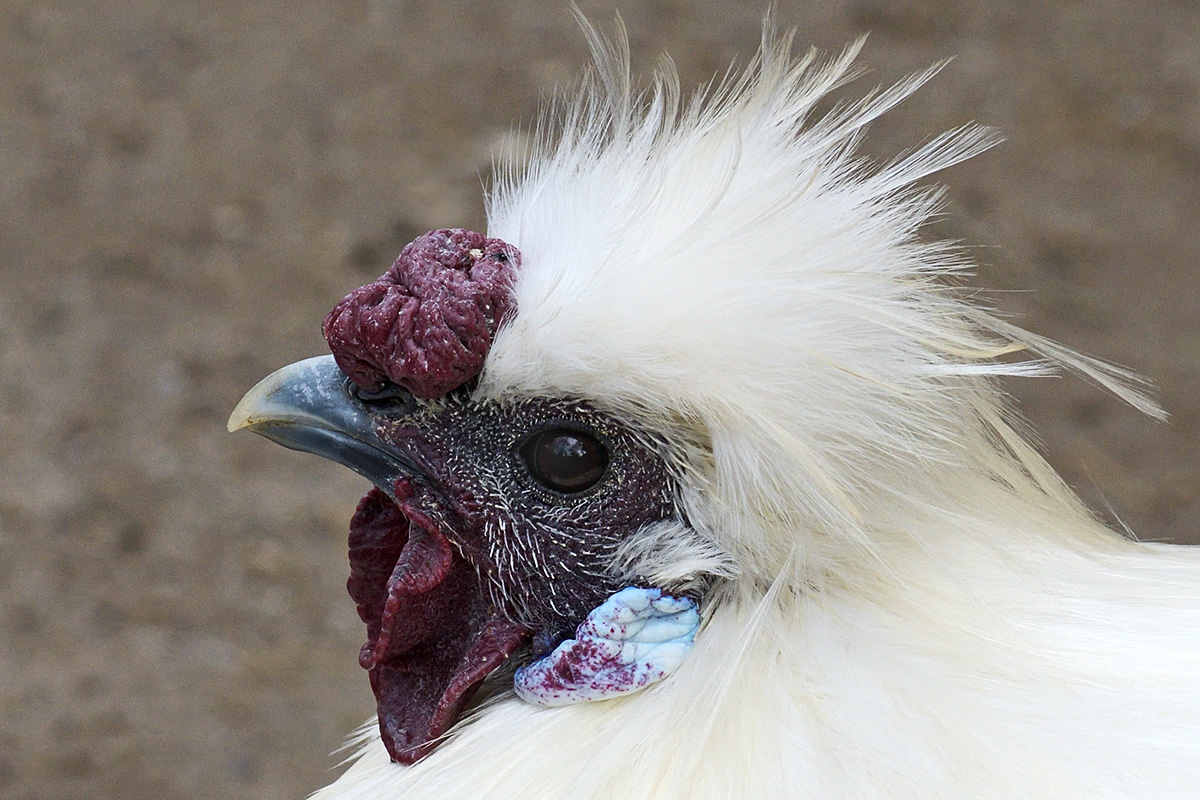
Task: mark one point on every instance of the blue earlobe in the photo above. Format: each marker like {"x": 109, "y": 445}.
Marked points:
{"x": 635, "y": 638}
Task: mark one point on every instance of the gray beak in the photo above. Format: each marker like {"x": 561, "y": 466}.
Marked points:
{"x": 313, "y": 407}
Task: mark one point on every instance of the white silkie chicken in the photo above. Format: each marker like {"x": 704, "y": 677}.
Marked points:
{"x": 701, "y": 362}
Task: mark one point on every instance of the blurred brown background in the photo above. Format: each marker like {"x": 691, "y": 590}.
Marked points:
{"x": 187, "y": 187}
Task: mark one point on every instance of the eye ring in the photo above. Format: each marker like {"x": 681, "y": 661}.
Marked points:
{"x": 565, "y": 460}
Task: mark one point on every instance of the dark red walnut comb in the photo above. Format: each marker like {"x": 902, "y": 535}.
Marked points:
{"x": 427, "y": 323}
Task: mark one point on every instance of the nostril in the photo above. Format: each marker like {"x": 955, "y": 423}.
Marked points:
{"x": 389, "y": 397}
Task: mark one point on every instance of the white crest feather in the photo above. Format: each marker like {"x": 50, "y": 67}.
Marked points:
{"x": 731, "y": 261}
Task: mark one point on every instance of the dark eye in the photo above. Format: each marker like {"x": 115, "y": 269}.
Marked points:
{"x": 565, "y": 460}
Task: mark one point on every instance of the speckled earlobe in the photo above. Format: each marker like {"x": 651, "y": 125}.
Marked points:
{"x": 635, "y": 638}
{"x": 428, "y": 322}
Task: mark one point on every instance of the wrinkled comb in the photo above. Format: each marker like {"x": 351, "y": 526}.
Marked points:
{"x": 428, "y": 322}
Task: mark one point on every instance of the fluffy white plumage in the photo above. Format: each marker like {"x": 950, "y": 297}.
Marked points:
{"x": 914, "y": 605}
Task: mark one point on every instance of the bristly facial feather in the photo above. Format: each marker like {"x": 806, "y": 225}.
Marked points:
{"x": 547, "y": 558}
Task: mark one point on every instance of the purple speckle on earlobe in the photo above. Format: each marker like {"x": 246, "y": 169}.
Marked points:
{"x": 635, "y": 638}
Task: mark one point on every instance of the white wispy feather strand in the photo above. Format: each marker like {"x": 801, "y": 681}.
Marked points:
{"x": 916, "y": 605}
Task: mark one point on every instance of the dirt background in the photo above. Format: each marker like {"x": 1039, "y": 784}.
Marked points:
{"x": 186, "y": 187}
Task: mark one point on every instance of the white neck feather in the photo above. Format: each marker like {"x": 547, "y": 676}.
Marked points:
{"x": 1058, "y": 672}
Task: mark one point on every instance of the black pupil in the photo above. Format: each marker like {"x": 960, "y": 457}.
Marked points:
{"x": 565, "y": 460}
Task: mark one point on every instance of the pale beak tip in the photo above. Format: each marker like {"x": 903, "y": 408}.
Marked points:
{"x": 257, "y": 405}
{"x": 240, "y": 418}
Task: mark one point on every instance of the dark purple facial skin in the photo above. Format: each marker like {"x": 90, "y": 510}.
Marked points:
{"x": 475, "y": 559}
{"x": 546, "y": 556}
{"x": 475, "y": 555}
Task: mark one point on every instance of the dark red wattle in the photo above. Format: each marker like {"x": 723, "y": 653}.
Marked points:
{"x": 431, "y": 635}
{"x": 428, "y": 322}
